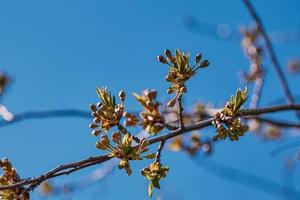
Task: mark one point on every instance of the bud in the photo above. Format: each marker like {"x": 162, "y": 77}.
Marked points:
{"x": 168, "y": 78}
{"x": 122, "y": 95}
{"x": 204, "y": 64}
{"x": 96, "y": 132}
{"x": 93, "y": 126}
{"x": 151, "y": 94}
{"x": 182, "y": 89}
{"x": 161, "y": 59}
{"x": 93, "y": 107}
{"x": 104, "y": 140}
{"x": 154, "y": 167}
{"x": 116, "y": 137}
{"x": 170, "y": 91}
{"x": 99, "y": 104}
{"x": 100, "y": 145}
{"x": 127, "y": 114}
{"x": 97, "y": 120}
{"x": 169, "y": 56}
{"x": 171, "y": 103}
{"x": 198, "y": 58}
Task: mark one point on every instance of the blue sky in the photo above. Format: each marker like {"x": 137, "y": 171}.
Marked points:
{"x": 59, "y": 51}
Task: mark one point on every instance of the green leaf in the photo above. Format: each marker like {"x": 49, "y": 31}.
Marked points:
{"x": 155, "y": 183}
{"x": 180, "y": 60}
{"x": 150, "y": 190}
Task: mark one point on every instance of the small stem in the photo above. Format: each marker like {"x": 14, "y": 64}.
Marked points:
{"x": 160, "y": 148}
{"x": 180, "y": 110}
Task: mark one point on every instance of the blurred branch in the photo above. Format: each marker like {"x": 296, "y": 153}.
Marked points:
{"x": 278, "y": 123}
{"x": 273, "y": 57}
{"x": 284, "y": 147}
{"x": 225, "y": 32}
{"x": 84, "y": 114}
{"x": 46, "y": 114}
{"x": 250, "y": 180}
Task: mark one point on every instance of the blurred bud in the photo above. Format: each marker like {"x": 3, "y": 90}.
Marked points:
{"x": 182, "y": 89}
{"x": 93, "y": 126}
{"x": 161, "y": 59}
{"x": 204, "y": 64}
{"x": 122, "y": 95}
{"x": 198, "y": 58}
{"x": 172, "y": 103}
{"x": 96, "y": 132}
{"x": 116, "y": 137}
{"x": 169, "y": 55}
{"x": 170, "y": 91}
{"x": 93, "y": 107}
{"x": 151, "y": 94}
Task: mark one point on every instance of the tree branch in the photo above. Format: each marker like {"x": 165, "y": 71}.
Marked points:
{"x": 46, "y": 114}
{"x": 180, "y": 115}
{"x": 273, "y": 57}
{"x": 75, "y": 166}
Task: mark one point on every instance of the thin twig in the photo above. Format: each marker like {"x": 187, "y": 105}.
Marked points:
{"x": 180, "y": 115}
{"x": 160, "y": 148}
{"x": 46, "y": 114}
{"x": 273, "y": 57}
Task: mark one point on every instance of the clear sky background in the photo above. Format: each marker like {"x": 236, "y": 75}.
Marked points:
{"x": 59, "y": 51}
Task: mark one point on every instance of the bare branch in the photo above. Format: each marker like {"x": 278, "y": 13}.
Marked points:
{"x": 279, "y": 123}
{"x": 160, "y": 148}
{"x": 273, "y": 57}
{"x": 46, "y": 114}
{"x": 75, "y": 166}
{"x": 180, "y": 115}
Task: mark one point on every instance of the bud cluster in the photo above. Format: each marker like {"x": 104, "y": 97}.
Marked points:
{"x": 107, "y": 113}
{"x": 180, "y": 71}
{"x": 192, "y": 146}
{"x": 226, "y": 122}
{"x": 123, "y": 149}
{"x": 152, "y": 119}
{"x": 154, "y": 172}
{"x": 10, "y": 177}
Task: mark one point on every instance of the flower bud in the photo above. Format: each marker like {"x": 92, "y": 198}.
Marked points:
{"x": 170, "y": 91}
{"x": 204, "y": 64}
{"x": 151, "y": 94}
{"x": 116, "y": 137}
{"x": 100, "y": 145}
{"x": 171, "y": 103}
{"x": 93, "y": 126}
{"x": 161, "y": 59}
{"x": 198, "y": 58}
{"x": 104, "y": 140}
{"x": 168, "y": 78}
{"x": 93, "y": 107}
{"x": 97, "y": 120}
{"x": 96, "y": 132}
{"x": 169, "y": 55}
{"x": 182, "y": 89}
{"x": 122, "y": 95}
